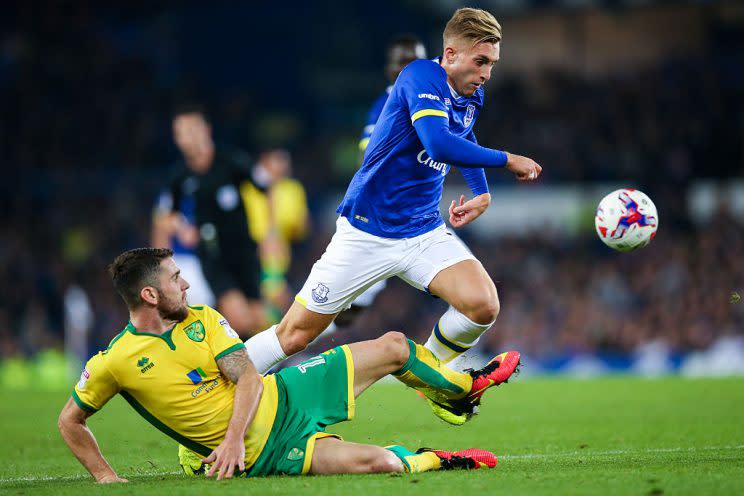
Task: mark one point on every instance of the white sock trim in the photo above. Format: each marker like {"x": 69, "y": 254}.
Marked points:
{"x": 264, "y": 350}
{"x": 454, "y": 334}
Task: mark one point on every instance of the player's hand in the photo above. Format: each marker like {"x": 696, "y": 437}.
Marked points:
{"x": 111, "y": 479}
{"x": 467, "y": 211}
{"x": 229, "y": 454}
{"x": 524, "y": 168}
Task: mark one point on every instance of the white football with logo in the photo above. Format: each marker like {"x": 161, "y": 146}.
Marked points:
{"x": 626, "y": 220}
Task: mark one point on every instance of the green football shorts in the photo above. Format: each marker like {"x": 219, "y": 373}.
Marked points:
{"x": 313, "y": 395}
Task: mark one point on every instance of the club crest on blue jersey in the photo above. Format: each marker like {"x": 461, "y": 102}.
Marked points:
{"x": 469, "y": 113}
{"x": 320, "y": 293}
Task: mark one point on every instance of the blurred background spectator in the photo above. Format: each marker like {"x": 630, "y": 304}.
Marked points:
{"x": 643, "y": 94}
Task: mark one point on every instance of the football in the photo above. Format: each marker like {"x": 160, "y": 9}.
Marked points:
{"x": 626, "y": 220}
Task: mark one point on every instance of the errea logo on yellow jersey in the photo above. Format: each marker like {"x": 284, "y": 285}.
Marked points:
{"x": 145, "y": 364}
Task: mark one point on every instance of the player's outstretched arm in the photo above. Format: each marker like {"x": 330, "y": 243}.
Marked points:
{"x": 79, "y": 438}
{"x": 237, "y": 367}
{"x": 443, "y": 146}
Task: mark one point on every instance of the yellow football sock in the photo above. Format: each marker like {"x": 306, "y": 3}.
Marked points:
{"x": 424, "y": 371}
{"x": 416, "y": 462}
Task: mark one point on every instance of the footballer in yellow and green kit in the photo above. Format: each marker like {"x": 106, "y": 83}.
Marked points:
{"x": 174, "y": 382}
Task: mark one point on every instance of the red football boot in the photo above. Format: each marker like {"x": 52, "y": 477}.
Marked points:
{"x": 497, "y": 371}
{"x": 469, "y": 459}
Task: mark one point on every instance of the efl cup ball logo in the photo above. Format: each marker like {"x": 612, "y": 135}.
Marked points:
{"x": 626, "y": 220}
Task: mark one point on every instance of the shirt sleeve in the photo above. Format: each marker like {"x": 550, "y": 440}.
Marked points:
{"x": 222, "y": 339}
{"x": 443, "y": 146}
{"x": 423, "y": 89}
{"x": 97, "y": 385}
{"x": 475, "y": 177}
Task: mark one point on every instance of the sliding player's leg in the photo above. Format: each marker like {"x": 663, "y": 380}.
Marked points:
{"x": 362, "y": 364}
{"x": 412, "y": 364}
{"x": 334, "y": 456}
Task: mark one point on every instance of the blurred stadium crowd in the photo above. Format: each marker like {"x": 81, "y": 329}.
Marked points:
{"x": 86, "y": 144}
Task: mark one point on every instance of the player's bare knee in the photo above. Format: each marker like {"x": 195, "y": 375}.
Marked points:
{"x": 386, "y": 462}
{"x": 380, "y": 460}
{"x": 396, "y": 348}
{"x": 483, "y": 310}
{"x": 294, "y": 342}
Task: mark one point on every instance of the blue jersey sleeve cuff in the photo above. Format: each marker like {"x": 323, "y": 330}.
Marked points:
{"x": 476, "y": 179}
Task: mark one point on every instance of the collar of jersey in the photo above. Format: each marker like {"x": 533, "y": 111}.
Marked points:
{"x": 454, "y": 94}
{"x": 167, "y": 336}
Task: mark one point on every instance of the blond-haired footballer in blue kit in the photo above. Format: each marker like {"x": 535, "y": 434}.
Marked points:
{"x": 187, "y": 373}
{"x": 389, "y": 222}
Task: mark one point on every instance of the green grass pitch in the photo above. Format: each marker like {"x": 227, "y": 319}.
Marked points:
{"x": 616, "y": 435}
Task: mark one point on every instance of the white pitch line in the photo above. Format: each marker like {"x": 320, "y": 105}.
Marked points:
{"x": 589, "y": 452}
{"x": 63, "y": 478}
{"x": 501, "y": 457}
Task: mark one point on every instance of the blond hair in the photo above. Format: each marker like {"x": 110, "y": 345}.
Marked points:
{"x": 474, "y": 25}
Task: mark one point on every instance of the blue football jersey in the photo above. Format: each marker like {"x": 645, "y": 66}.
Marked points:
{"x": 397, "y": 191}
{"x": 372, "y": 117}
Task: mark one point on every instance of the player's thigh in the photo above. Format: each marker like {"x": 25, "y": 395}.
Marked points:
{"x": 376, "y": 358}
{"x": 352, "y": 263}
{"x": 463, "y": 285}
{"x": 334, "y": 456}
{"x": 322, "y": 386}
{"x": 439, "y": 250}
{"x": 300, "y": 326}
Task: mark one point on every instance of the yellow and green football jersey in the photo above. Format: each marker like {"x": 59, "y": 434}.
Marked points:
{"x": 173, "y": 381}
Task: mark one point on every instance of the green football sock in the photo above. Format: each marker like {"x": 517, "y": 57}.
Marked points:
{"x": 424, "y": 371}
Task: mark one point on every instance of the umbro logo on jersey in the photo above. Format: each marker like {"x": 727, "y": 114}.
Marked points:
{"x": 429, "y": 96}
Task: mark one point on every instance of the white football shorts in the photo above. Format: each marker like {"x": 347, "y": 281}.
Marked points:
{"x": 355, "y": 260}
